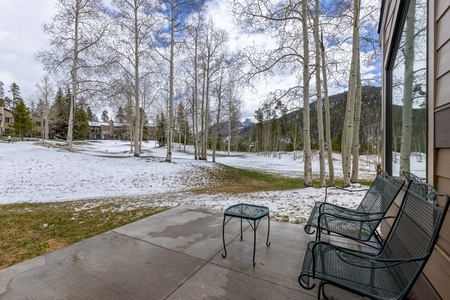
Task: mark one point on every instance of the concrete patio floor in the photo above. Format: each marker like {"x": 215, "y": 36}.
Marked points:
{"x": 175, "y": 254}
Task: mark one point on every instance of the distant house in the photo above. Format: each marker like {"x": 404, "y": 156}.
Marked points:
{"x": 115, "y": 131}
{"x": 6, "y": 118}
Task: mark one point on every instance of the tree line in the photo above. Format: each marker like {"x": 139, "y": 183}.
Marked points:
{"x": 55, "y": 117}
{"x": 169, "y": 62}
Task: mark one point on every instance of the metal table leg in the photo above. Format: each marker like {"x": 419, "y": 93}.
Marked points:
{"x": 223, "y": 235}
{"x": 254, "y": 241}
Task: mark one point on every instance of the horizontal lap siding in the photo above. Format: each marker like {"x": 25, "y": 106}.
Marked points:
{"x": 443, "y": 89}
{"x": 438, "y": 268}
{"x": 437, "y": 273}
{"x": 441, "y": 8}
{"x": 436, "y": 277}
{"x": 442, "y": 59}
{"x": 443, "y": 185}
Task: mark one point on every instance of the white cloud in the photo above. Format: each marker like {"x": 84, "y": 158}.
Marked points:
{"x": 21, "y": 37}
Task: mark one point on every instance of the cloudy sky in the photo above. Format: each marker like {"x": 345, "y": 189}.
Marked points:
{"x": 21, "y": 37}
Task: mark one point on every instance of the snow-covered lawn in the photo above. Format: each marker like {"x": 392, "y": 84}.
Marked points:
{"x": 107, "y": 171}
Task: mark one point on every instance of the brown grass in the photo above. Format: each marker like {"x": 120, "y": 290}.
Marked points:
{"x": 30, "y": 230}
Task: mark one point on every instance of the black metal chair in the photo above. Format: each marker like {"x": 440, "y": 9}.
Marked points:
{"x": 391, "y": 272}
{"x": 359, "y": 224}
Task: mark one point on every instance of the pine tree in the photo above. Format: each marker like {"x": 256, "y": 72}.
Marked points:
{"x": 161, "y": 129}
{"x": 105, "y": 117}
{"x": 2, "y": 94}
{"x": 183, "y": 125}
{"x": 90, "y": 115}
{"x": 15, "y": 91}
{"x": 121, "y": 117}
{"x": 22, "y": 124}
{"x": 60, "y": 114}
{"x": 81, "y": 127}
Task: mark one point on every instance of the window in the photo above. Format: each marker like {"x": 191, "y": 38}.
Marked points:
{"x": 406, "y": 99}
{"x": 8, "y": 120}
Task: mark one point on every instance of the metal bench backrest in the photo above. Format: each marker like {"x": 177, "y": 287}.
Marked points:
{"x": 414, "y": 232}
{"x": 381, "y": 194}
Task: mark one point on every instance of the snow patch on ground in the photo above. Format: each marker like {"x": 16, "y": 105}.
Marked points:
{"x": 107, "y": 171}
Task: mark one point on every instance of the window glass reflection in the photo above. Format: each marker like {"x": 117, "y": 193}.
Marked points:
{"x": 409, "y": 94}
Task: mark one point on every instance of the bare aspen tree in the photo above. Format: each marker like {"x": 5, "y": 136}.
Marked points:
{"x": 347, "y": 133}
{"x": 232, "y": 105}
{"x": 214, "y": 57}
{"x": 74, "y": 32}
{"x": 331, "y": 180}
{"x": 171, "y": 79}
{"x": 177, "y": 11}
{"x": 357, "y": 122}
{"x": 191, "y": 68}
{"x": 218, "y": 91}
{"x": 134, "y": 29}
{"x": 322, "y": 182}
{"x": 45, "y": 91}
{"x": 407, "y": 111}
{"x": 307, "y": 180}
{"x": 287, "y": 23}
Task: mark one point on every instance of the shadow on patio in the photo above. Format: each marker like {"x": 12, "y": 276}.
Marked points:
{"x": 172, "y": 255}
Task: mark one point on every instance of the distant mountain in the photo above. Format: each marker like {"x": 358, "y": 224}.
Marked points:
{"x": 280, "y": 133}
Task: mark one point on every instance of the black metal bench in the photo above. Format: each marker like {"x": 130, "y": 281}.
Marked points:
{"x": 359, "y": 224}
{"x": 391, "y": 272}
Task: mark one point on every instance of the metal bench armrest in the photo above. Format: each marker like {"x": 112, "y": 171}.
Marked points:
{"x": 343, "y": 189}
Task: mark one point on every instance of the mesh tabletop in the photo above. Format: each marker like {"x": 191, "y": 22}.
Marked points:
{"x": 247, "y": 211}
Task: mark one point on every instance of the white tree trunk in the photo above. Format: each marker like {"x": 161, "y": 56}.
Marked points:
{"x": 319, "y": 99}
{"x": 307, "y": 181}
{"x": 357, "y": 122}
{"x": 171, "y": 59}
{"x": 136, "y": 85}
{"x": 347, "y": 133}
{"x": 327, "y": 121}
{"x": 74, "y": 76}
{"x": 407, "y": 111}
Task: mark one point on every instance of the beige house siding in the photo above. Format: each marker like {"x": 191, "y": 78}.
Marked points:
{"x": 434, "y": 284}
{"x": 438, "y": 271}
{"x": 6, "y": 114}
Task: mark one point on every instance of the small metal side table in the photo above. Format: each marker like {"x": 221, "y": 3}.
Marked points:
{"x": 250, "y": 213}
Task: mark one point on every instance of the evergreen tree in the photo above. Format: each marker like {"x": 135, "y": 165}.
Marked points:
{"x": 121, "y": 117}
{"x": 90, "y": 115}
{"x": 105, "y": 117}
{"x": 15, "y": 91}
{"x": 22, "y": 124}
{"x": 161, "y": 129}
{"x": 2, "y": 94}
{"x": 81, "y": 127}
{"x": 60, "y": 114}
{"x": 183, "y": 124}
{"x": 4, "y": 100}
